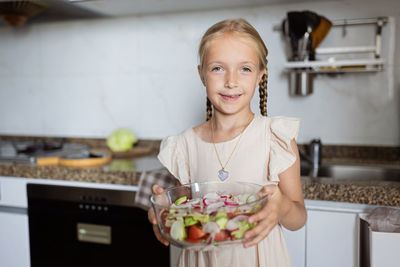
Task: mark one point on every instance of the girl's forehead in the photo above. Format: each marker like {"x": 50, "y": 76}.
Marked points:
{"x": 233, "y": 38}
{"x": 232, "y": 45}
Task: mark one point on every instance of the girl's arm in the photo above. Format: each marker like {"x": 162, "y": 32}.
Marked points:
{"x": 285, "y": 204}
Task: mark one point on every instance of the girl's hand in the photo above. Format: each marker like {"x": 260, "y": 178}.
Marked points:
{"x": 267, "y": 218}
{"x": 157, "y": 190}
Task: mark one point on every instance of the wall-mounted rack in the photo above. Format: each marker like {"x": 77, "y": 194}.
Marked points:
{"x": 301, "y": 72}
{"x": 337, "y": 66}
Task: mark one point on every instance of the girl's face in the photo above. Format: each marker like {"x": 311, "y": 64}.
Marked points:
{"x": 231, "y": 73}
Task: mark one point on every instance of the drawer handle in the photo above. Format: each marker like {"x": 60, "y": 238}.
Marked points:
{"x": 94, "y": 233}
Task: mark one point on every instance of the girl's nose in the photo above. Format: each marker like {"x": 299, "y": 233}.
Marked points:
{"x": 231, "y": 80}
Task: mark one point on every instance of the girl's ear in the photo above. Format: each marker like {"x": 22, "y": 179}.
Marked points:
{"x": 201, "y": 75}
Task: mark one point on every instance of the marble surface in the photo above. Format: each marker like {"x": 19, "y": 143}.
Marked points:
{"x": 128, "y": 171}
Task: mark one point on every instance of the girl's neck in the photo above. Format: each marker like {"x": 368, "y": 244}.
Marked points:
{"x": 231, "y": 122}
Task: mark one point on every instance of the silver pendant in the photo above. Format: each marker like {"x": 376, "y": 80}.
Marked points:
{"x": 223, "y": 175}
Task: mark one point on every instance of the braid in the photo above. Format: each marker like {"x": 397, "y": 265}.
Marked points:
{"x": 209, "y": 109}
{"x": 263, "y": 93}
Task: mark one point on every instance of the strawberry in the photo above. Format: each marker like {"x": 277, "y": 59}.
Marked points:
{"x": 221, "y": 236}
{"x": 195, "y": 232}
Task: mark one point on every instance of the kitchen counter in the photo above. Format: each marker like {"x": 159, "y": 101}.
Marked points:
{"x": 128, "y": 171}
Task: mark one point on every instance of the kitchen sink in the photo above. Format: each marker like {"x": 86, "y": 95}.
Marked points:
{"x": 354, "y": 172}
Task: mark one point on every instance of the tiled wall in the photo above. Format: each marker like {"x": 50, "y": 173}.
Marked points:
{"x": 85, "y": 78}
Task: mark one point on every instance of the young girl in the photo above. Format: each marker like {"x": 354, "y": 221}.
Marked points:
{"x": 234, "y": 144}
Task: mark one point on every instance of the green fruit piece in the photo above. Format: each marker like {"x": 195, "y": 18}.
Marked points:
{"x": 204, "y": 218}
{"x": 180, "y": 200}
{"x": 244, "y": 226}
{"x": 190, "y": 221}
{"x": 221, "y": 214}
{"x": 221, "y": 221}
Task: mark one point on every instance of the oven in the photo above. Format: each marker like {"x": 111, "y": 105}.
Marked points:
{"x": 75, "y": 226}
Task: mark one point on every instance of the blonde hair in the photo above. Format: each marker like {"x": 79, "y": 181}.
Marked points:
{"x": 242, "y": 28}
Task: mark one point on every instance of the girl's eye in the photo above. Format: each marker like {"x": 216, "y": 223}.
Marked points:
{"x": 246, "y": 69}
{"x": 216, "y": 68}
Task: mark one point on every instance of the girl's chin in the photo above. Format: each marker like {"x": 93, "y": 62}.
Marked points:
{"x": 229, "y": 109}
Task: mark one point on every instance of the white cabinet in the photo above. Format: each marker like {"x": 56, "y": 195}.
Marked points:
{"x": 332, "y": 239}
{"x": 330, "y": 236}
{"x": 296, "y": 243}
{"x": 14, "y": 227}
{"x": 14, "y": 238}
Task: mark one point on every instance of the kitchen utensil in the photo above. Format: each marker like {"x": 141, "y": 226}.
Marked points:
{"x": 319, "y": 33}
{"x": 304, "y": 31}
{"x": 206, "y": 213}
{"x": 300, "y": 83}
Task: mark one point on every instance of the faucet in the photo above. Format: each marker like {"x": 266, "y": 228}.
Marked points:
{"x": 314, "y": 156}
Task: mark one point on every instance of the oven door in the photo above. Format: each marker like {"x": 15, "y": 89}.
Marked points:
{"x": 75, "y": 226}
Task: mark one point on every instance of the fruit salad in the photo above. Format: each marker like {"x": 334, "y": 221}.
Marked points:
{"x": 211, "y": 219}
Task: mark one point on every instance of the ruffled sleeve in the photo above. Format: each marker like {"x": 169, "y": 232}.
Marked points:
{"x": 282, "y": 156}
{"x": 173, "y": 157}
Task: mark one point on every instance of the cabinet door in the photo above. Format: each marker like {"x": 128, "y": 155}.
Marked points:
{"x": 332, "y": 239}
{"x": 296, "y": 243}
{"x": 14, "y": 239}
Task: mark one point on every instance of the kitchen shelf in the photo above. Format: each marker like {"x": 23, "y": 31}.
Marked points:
{"x": 301, "y": 73}
{"x": 347, "y": 65}
{"x": 336, "y": 66}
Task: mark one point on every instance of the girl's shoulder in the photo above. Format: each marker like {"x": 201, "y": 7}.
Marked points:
{"x": 280, "y": 125}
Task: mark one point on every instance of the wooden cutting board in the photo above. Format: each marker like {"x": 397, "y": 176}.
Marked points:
{"x": 139, "y": 151}
{"x": 95, "y": 158}
{"x": 91, "y": 158}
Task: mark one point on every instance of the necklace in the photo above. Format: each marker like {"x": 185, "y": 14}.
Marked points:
{"x": 222, "y": 173}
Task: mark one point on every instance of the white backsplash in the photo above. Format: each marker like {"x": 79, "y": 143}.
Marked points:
{"x": 85, "y": 78}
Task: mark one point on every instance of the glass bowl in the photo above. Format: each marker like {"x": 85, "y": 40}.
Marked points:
{"x": 207, "y": 213}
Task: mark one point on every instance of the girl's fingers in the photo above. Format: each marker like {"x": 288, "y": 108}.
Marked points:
{"x": 268, "y": 190}
{"x": 159, "y": 236}
{"x": 261, "y": 225}
{"x": 262, "y": 214}
{"x": 255, "y": 240}
{"x": 156, "y": 189}
{"x": 151, "y": 216}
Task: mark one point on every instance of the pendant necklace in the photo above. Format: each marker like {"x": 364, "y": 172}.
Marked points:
{"x": 223, "y": 174}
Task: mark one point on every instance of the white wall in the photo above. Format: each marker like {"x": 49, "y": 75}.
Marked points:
{"x": 85, "y": 78}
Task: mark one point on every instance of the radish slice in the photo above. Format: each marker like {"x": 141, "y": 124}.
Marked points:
{"x": 215, "y": 205}
{"x": 211, "y": 228}
{"x": 211, "y": 195}
{"x": 176, "y": 230}
{"x": 232, "y": 225}
{"x": 240, "y": 218}
{"x": 230, "y": 203}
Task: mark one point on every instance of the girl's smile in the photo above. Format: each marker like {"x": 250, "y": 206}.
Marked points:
{"x": 228, "y": 97}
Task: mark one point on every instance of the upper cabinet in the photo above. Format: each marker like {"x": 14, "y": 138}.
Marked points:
{"x": 52, "y": 10}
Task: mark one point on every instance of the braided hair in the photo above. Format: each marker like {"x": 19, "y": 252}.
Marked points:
{"x": 263, "y": 93}
{"x": 209, "y": 109}
{"x": 242, "y": 28}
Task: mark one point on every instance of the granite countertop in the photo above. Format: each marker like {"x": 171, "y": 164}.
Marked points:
{"x": 127, "y": 172}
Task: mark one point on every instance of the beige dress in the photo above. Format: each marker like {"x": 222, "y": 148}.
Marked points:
{"x": 264, "y": 151}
